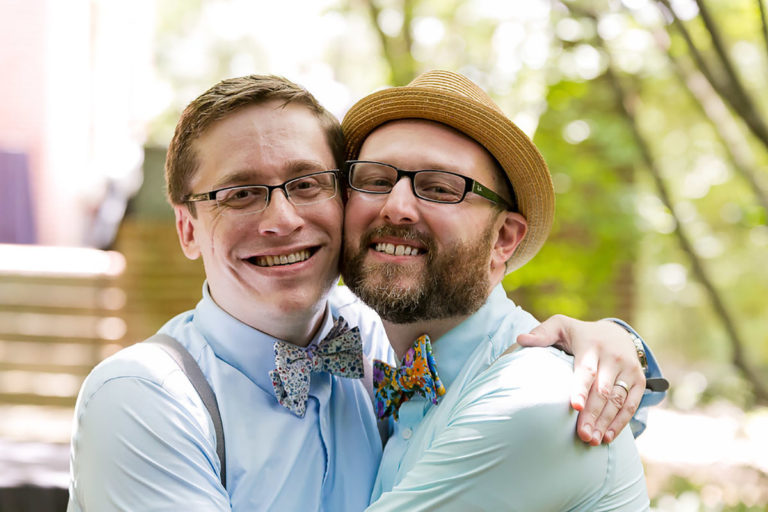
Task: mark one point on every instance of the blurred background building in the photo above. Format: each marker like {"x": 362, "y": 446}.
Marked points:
{"x": 73, "y": 117}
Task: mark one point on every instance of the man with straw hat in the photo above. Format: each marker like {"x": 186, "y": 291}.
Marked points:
{"x": 253, "y": 178}
{"x": 446, "y": 196}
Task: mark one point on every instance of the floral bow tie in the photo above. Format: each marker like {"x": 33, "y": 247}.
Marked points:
{"x": 340, "y": 353}
{"x": 416, "y": 374}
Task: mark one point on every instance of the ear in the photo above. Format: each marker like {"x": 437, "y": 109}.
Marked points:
{"x": 185, "y": 228}
{"x": 511, "y": 228}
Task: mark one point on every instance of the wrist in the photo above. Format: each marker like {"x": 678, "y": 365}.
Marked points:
{"x": 636, "y": 341}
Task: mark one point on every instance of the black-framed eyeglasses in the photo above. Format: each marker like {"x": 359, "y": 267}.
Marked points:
{"x": 243, "y": 199}
{"x": 430, "y": 185}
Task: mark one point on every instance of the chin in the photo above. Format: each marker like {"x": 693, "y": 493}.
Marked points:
{"x": 297, "y": 301}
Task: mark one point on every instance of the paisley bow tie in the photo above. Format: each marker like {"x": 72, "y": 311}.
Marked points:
{"x": 340, "y": 353}
{"x": 416, "y": 374}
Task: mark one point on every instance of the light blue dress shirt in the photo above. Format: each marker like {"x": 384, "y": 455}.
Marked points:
{"x": 144, "y": 441}
{"x": 503, "y": 436}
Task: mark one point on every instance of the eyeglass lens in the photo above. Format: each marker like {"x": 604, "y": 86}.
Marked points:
{"x": 301, "y": 191}
{"x": 437, "y": 186}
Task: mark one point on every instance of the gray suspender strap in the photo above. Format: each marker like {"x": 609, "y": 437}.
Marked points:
{"x": 191, "y": 369}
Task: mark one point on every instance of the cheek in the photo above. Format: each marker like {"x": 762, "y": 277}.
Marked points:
{"x": 360, "y": 212}
{"x": 222, "y": 233}
{"x": 332, "y": 219}
{"x": 324, "y": 222}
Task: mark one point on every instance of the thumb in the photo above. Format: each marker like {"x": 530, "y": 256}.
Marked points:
{"x": 547, "y": 333}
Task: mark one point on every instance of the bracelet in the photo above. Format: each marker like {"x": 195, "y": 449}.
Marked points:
{"x": 636, "y": 341}
{"x": 640, "y": 351}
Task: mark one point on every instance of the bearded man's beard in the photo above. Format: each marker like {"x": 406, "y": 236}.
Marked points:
{"x": 453, "y": 282}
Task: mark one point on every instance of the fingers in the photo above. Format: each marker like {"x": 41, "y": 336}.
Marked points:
{"x": 584, "y": 372}
{"x": 624, "y": 415}
{"x": 603, "y": 401}
{"x": 590, "y": 418}
{"x": 603, "y": 356}
{"x": 609, "y": 406}
{"x": 614, "y": 396}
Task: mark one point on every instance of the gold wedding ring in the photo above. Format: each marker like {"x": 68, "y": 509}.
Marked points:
{"x": 622, "y": 384}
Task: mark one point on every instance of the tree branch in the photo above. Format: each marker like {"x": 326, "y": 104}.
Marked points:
{"x": 731, "y": 90}
{"x": 764, "y": 23}
{"x": 740, "y": 94}
{"x": 397, "y": 51}
{"x": 373, "y": 14}
{"x": 737, "y": 344}
{"x": 625, "y": 106}
{"x": 695, "y": 53}
{"x": 711, "y": 106}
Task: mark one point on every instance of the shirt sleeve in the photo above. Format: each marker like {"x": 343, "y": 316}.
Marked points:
{"x": 139, "y": 445}
{"x": 650, "y": 398}
{"x": 509, "y": 444}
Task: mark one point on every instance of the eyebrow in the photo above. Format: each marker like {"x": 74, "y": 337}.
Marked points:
{"x": 442, "y": 167}
{"x": 432, "y": 165}
{"x": 293, "y": 169}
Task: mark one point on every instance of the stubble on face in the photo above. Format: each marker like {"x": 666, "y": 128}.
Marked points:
{"x": 454, "y": 281}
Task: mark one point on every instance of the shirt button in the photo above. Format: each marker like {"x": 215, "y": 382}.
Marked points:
{"x": 407, "y": 433}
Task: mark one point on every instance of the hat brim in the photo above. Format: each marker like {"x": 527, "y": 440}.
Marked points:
{"x": 518, "y": 156}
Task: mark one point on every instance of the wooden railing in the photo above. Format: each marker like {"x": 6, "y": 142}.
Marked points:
{"x": 60, "y": 313}
{"x": 63, "y": 310}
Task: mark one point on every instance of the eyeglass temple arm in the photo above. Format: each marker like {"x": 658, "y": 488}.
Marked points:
{"x": 487, "y": 193}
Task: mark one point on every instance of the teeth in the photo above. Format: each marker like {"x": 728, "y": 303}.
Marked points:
{"x": 283, "y": 259}
{"x": 397, "y": 250}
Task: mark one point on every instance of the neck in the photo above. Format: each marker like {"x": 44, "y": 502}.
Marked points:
{"x": 402, "y": 336}
{"x": 298, "y": 326}
{"x": 298, "y": 329}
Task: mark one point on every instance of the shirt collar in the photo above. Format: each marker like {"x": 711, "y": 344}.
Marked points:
{"x": 453, "y": 349}
{"x": 241, "y": 346}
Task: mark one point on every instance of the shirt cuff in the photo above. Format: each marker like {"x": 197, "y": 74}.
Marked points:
{"x": 650, "y": 398}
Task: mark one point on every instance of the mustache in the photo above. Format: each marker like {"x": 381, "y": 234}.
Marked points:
{"x": 405, "y": 232}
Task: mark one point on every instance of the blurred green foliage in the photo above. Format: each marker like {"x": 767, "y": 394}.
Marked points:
{"x": 585, "y": 269}
{"x": 613, "y": 249}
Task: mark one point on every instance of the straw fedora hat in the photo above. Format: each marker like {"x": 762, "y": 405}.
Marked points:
{"x": 454, "y": 100}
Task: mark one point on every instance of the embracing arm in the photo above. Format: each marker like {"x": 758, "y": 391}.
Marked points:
{"x": 604, "y": 354}
{"x": 138, "y": 447}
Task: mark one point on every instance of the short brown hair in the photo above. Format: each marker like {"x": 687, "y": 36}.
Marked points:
{"x": 223, "y": 99}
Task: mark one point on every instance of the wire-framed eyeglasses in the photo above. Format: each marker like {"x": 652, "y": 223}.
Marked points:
{"x": 245, "y": 199}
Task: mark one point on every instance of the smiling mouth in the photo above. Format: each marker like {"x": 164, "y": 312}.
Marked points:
{"x": 281, "y": 259}
{"x": 397, "y": 250}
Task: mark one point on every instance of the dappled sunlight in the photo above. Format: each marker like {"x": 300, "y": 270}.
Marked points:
{"x": 720, "y": 452}
{"x": 723, "y": 436}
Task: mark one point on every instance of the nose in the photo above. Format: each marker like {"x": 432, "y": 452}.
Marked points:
{"x": 280, "y": 217}
{"x": 400, "y": 206}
